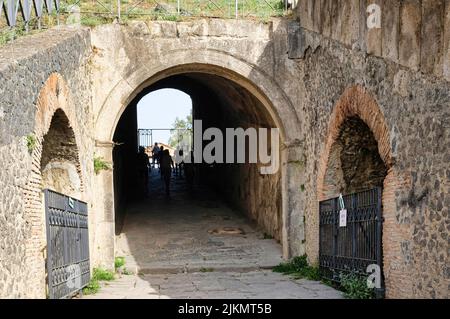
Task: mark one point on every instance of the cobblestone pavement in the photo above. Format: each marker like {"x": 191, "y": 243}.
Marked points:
{"x": 173, "y": 249}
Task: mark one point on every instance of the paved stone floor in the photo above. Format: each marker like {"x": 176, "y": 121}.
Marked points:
{"x": 261, "y": 284}
{"x": 172, "y": 250}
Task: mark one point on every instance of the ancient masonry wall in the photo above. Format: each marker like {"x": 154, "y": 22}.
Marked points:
{"x": 396, "y": 80}
{"x": 330, "y": 72}
{"x": 38, "y": 75}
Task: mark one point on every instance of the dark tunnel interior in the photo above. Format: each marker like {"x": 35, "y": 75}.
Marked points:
{"x": 221, "y": 103}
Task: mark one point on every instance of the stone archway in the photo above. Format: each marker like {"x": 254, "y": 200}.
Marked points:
{"x": 212, "y": 62}
{"x": 54, "y": 164}
{"x": 357, "y": 108}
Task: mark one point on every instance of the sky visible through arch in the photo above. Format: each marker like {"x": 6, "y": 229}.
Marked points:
{"x": 159, "y": 108}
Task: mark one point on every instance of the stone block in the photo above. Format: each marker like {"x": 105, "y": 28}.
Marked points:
{"x": 446, "y": 54}
{"x": 432, "y": 36}
{"x": 350, "y": 22}
{"x": 306, "y": 13}
{"x": 317, "y": 17}
{"x": 335, "y": 14}
{"x": 300, "y": 40}
{"x": 374, "y": 35}
{"x": 410, "y": 22}
{"x": 390, "y": 29}
{"x": 362, "y": 25}
{"x": 325, "y": 13}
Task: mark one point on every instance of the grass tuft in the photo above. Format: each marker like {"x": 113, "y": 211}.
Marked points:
{"x": 298, "y": 267}
{"x": 98, "y": 275}
{"x": 119, "y": 262}
{"x": 355, "y": 287}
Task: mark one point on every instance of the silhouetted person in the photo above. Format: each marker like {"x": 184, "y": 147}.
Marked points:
{"x": 166, "y": 164}
{"x": 189, "y": 172}
{"x": 155, "y": 154}
{"x": 179, "y": 161}
{"x": 160, "y": 154}
{"x": 142, "y": 166}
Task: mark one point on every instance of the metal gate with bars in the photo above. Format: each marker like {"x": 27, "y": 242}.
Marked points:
{"x": 67, "y": 244}
{"x": 357, "y": 245}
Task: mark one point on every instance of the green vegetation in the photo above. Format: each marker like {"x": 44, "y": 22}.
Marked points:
{"x": 182, "y": 132}
{"x": 126, "y": 272}
{"x": 94, "y": 13}
{"x": 94, "y": 20}
{"x": 267, "y": 236}
{"x": 8, "y": 35}
{"x": 98, "y": 275}
{"x": 206, "y": 269}
{"x": 101, "y": 274}
{"x": 31, "y": 142}
{"x": 355, "y": 287}
{"x": 119, "y": 262}
{"x": 92, "y": 287}
{"x": 99, "y": 164}
{"x": 119, "y": 265}
{"x": 298, "y": 267}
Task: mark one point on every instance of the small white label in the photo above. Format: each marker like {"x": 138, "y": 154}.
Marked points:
{"x": 71, "y": 203}
{"x": 343, "y": 218}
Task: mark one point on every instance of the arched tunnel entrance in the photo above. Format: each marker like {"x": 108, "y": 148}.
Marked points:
{"x": 237, "y": 210}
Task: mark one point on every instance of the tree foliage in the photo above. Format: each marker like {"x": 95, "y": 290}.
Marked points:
{"x": 182, "y": 133}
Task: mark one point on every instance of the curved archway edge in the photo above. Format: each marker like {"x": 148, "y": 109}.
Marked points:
{"x": 213, "y": 62}
{"x": 355, "y": 101}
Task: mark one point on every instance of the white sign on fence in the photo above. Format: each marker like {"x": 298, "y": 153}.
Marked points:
{"x": 343, "y": 218}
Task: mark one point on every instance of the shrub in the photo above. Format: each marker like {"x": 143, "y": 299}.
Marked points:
{"x": 100, "y": 164}
{"x": 102, "y": 275}
{"x": 92, "y": 287}
{"x": 355, "y": 287}
{"x": 98, "y": 275}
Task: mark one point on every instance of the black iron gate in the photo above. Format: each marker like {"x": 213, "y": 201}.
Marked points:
{"x": 67, "y": 244}
{"x": 351, "y": 248}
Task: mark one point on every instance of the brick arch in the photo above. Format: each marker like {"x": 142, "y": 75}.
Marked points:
{"x": 53, "y": 102}
{"x": 355, "y": 101}
{"x": 54, "y": 99}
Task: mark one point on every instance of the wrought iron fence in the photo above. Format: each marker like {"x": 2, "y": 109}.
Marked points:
{"x": 352, "y": 245}
{"x": 22, "y": 16}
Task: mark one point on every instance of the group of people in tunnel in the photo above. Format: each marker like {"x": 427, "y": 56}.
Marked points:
{"x": 161, "y": 157}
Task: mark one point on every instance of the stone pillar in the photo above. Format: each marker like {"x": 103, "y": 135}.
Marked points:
{"x": 293, "y": 166}
{"x": 102, "y": 233}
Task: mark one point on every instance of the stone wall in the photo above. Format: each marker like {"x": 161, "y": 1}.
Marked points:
{"x": 408, "y": 113}
{"x": 412, "y": 33}
{"x": 130, "y": 58}
{"x": 308, "y": 77}
{"x": 39, "y": 75}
